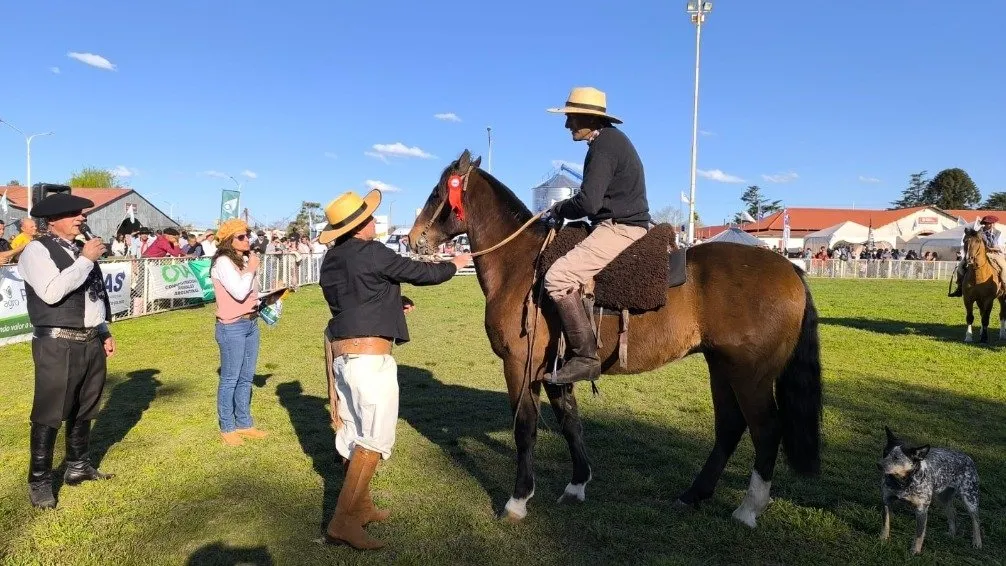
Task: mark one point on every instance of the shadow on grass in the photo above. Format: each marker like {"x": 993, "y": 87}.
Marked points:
{"x": 941, "y": 332}
{"x": 123, "y": 410}
{"x": 221, "y": 554}
{"x": 312, "y": 424}
{"x": 640, "y": 466}
{"x": 260, "y": 379}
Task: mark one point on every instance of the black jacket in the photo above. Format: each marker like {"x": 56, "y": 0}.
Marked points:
{"x": 614, "y": 187}
{"x": 360, "y": 280}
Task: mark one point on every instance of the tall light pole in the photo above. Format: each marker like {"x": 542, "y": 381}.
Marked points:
{"x": 27, "y": 142}
{"x": 698, "y": 10}
{"x": 489, "y": 164}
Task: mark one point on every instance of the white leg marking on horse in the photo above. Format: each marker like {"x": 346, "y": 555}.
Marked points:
{"x": 967, "y": 335}
{"x": 576, "y": 491}
{"x": 517, "y": 508}
{"x": 755, "y": 501}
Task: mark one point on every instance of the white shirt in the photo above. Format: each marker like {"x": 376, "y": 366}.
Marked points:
{"x": 237, "y": 284}
{"x": 52, "y": 285}
{"x": 209, "y": 248}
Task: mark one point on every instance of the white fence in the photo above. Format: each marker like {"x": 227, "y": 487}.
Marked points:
{"x": 879, "y": 269}
{"x": 138, "y": 287}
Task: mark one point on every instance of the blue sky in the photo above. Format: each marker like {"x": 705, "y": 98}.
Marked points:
{"x": 840, "y": 100}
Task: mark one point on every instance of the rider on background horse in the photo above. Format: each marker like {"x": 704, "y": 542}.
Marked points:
{"x": 613, "y": 197}
{"x": 994, "y": 247}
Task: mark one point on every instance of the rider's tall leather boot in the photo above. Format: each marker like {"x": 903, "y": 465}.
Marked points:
{"x": 580, "y": 340}
{"x": 40, "y": 470}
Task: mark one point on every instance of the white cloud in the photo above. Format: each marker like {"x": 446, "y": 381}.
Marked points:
{"x": 719, "y": 176}
{"x": 871, "y": 180}
{"x": 382, "y": 186}
{"x": 217, "y": 174}
{"x": 250, "y": 174}
{"x": 122, "y": 171}
{"x": 706, "y": 133}
{"x": 397, "y": 149}
{"x": 781, "y": 177}
{"x": 92, "y": 60}
{"x": 54, "y": 70}
{"x": 447, "y": 117}
{"x": 376, "y": 155}
{"x": 331, "y": 155}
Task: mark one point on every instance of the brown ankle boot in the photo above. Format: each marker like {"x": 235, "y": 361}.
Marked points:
{"x": 346, "y": 526}
{"x": 365, "y": 508}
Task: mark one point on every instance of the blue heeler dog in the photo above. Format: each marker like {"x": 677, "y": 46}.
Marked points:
{"x": 918, "y": 475}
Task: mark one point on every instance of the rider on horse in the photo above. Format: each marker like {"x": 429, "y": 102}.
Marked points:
{"x": 994, "y": 248}
{"x": 613, "y": 197}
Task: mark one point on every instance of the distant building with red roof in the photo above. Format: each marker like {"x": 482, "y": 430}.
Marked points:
{"x": 110, "y": 210}
{"x": 891, "y": 228}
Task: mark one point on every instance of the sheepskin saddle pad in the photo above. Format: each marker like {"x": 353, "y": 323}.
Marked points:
{"x": 638, "y": 278}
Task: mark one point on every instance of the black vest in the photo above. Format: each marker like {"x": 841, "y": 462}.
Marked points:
{"x": 69, "y": 311}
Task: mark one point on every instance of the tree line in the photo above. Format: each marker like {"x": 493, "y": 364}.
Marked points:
{"x": 950, "y": 189}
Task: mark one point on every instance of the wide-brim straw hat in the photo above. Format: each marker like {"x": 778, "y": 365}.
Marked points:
{"x": 586, "y": 100}
{"x": 347, "y": 212}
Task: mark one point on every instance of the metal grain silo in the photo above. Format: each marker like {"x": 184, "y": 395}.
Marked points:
{"x": 557, "y": 187}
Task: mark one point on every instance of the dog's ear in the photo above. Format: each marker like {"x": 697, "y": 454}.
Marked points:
{"x": 919, "y": 454}
{"x": 892, "y": 440}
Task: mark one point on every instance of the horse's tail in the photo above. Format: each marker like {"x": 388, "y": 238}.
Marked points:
{"x": 798, "y": 395}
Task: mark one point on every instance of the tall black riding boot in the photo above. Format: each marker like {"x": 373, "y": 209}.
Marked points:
{"x": 78, "y": 465}
{"x": 580, "y": 341}
{"x": 40, "y": 470}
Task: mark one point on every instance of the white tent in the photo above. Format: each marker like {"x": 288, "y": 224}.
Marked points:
{"x": 945, "y": 243}
{"x": 847, "y": 232}
{"x": 737, "y": 236}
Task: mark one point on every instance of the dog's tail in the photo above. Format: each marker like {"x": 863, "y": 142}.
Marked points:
{"x": 798, "y": 395}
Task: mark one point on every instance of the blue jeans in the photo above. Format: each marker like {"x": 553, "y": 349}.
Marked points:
{"x": 238, "y": 343}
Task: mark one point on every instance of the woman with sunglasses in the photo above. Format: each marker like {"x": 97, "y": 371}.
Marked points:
{"x": 236, "y": 286}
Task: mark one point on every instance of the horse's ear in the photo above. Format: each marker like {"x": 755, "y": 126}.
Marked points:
{"x": 477, "y": 162}
{"x": 465, "y": 160}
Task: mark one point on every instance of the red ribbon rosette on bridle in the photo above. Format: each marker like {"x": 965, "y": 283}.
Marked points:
{"x": 455, "y": 186}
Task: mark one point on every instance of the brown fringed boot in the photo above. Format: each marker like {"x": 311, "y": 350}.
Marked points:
{"x": 365, "y": 508}
{"x": 346, "y": 526}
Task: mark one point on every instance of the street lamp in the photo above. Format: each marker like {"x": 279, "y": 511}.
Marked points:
{"x": 697, "y": 10}
{"x": 27, "y": 139}
{"x": 489, "y": 164}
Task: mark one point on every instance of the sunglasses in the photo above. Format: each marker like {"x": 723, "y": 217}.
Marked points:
{"x": 241, "y": 237}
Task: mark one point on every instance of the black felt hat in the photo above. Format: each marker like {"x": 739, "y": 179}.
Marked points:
{"x": 60, "y": 204}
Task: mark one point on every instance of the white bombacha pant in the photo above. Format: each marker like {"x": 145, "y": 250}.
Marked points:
{"x": 368, "y": 403}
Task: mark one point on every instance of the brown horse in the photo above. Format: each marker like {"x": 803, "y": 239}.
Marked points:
{"x": 981, "y": 286}
{"x": 747, "y": 310}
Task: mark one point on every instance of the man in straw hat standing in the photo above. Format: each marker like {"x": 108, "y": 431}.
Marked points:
{"x": 360, "y": 279}
{"x": 613, "y": 197}
{"x": 994, "y": 247}
{"x": 68, "y": 306}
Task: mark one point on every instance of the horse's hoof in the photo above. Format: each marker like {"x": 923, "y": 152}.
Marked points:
{"x": 509, "y": 517}
{"x": 574, "y": 493}
{"x": 747, "y": 517}
{"x": 681, "y": 504}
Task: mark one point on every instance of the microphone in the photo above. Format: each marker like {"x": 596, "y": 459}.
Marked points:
{"x": 85, "y": 231}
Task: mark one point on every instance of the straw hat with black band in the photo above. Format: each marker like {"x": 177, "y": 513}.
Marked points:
{"x": 347, "y": 212}
{"x": 586, "y": 100}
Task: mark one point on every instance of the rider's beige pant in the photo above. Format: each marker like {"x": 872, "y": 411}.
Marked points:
{"x": 589, "y": 257}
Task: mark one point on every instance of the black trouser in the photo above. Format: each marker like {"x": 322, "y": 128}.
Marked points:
{"x": 69, "y": 379}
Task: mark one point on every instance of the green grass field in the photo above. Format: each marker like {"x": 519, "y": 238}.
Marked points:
{"x": 892, "y": 354}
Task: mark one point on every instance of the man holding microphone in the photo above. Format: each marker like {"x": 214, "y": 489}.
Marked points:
{"x": 68, "y": 308}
